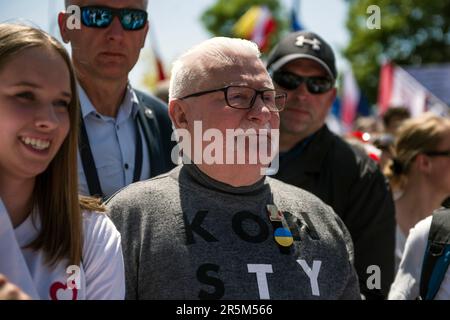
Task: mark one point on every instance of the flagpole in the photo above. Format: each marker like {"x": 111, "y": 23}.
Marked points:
{"x": 156, "y": 54}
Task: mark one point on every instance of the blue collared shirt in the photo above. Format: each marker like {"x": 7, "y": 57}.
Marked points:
{"x": 113, "y": 144}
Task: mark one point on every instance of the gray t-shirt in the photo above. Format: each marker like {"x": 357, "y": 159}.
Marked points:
{"x": 187, "y": 236}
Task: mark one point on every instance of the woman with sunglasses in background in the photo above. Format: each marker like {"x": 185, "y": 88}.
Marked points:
{"x": 419, "y": 172}
{"x": 52, "y": 243}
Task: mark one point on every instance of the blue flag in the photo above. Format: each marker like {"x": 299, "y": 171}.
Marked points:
{"x": 295, "y": 23}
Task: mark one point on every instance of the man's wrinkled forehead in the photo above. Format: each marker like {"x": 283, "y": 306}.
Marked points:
{"x": 139, "y": 4}
{"x": 249, "y": 72}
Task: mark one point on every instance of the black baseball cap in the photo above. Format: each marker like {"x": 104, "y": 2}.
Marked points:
{"x": 302, "y": 44}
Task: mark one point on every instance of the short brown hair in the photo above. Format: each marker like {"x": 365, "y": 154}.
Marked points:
{"x": 395, "y": 113}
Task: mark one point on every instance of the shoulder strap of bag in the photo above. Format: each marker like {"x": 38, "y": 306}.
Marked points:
{"x": 437, "y": 255}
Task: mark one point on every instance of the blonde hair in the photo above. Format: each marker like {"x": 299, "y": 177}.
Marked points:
{"x": 56, "y": 189}
{"x": 415, "y": 136}
{"x": 192, "y": 69}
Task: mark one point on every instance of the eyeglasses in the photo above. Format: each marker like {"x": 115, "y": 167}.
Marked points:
{"x": 102, "y": 17}
{"x": 291, "y": 81}
{"x": 438, "y": 153}
{"x": 243, "y": 97}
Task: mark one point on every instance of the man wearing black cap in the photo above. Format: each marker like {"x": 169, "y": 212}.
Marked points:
{"x": 313, "y": 158}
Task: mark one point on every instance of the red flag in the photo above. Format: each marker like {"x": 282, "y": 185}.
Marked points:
{"x": 269, "y": 27}
{"x": 385, "y": 86}
{"x": 257, "y": 24}
{"x": 160, "y": 68}
{"x": 350, "y": 99}
{"x": 158, "y": 62}
{"x": 398, "y": 88}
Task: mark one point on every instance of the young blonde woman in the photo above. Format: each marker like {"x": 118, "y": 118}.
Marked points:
{"x": 53, "y": 245}
{"x": 419, "y": 172}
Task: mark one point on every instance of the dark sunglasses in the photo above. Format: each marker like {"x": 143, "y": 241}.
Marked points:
{"x": 102, "y": 17}
{"x": 291, "y": 81}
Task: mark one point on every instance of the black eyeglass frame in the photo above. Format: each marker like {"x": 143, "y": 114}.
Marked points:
{"x": 437, "y": 153}
{"x": 115, "y": 12}
{"x": 252, "y": 102}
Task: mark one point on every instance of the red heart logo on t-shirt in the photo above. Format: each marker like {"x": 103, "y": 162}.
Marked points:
{"x": 60, "y": 291}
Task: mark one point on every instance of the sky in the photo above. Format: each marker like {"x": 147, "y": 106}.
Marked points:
{"x": 175, "y": 25}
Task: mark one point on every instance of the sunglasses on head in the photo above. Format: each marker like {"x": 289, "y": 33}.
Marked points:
{"x": 291, "y": 81}
{"x": 102, "y": 17}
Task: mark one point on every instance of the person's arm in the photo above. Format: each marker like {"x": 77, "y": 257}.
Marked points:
{"x": 406, "y": 285}
{"x": 12, "y": 262}
{"x": 102, "y": 259}
{"x": 352, "y": 290}
{"x": 130, "y": 234}
{"x": 371, "y": 221}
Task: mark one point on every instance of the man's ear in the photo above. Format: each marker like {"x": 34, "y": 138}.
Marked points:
{"x": 63, "y": 30}
{"x": 177, "y": 113}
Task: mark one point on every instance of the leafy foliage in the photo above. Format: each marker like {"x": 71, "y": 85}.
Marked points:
{"x": 412, "y": 32}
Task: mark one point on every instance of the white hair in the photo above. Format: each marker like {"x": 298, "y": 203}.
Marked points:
{"x": 69, "y": 2}
{"x": 192, "y": 69}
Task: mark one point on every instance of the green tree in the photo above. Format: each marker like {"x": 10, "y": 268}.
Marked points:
{"x": 220, "y": 18}
{"x": 412, "y": 32}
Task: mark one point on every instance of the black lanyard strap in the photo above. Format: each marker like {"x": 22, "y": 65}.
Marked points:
{"x": 138, "y": 154}
{"x": 88, "y": 161}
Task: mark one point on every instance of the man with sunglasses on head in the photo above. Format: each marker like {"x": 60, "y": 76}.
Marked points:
{"x": 125, "y": 134}
{"x": 219, "y": 229}
{"x": 315, "y": 159}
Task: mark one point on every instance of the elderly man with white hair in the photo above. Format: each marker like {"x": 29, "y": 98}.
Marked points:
{"x": 215, "y": 227}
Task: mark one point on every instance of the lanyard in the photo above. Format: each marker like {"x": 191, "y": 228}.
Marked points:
{"x": 88, "y": 162}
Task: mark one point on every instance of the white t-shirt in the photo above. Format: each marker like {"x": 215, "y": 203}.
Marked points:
{"x": 99, "y": 276}
{"x": 406, "y": 285}
{"x": 400, "y": 241}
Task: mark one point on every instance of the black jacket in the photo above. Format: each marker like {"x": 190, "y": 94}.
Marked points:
{"x": 351, "y": 183}
{"x": 153, "y": 118}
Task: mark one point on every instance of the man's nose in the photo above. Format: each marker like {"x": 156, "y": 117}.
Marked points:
{"x": 260, "y": 111}
{"x": 115, "y": 30}
{"x": 301, "y": 92}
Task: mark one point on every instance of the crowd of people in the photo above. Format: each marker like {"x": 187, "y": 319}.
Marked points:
{"x": 97, "y": 200}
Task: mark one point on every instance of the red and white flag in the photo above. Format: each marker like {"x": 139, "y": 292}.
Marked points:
{"x": 385, "y": 86}
{"x": 408, "y": 92}
{"x": 350, "y": 99}
{"x": 398, "y": 88}
{"x": 257, "y": 24}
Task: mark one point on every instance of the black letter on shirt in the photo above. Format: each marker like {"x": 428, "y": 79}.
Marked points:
{"x": 237, "y": 227}
{"x": 203, "y": 277}
{"x": 196, "y": 226}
